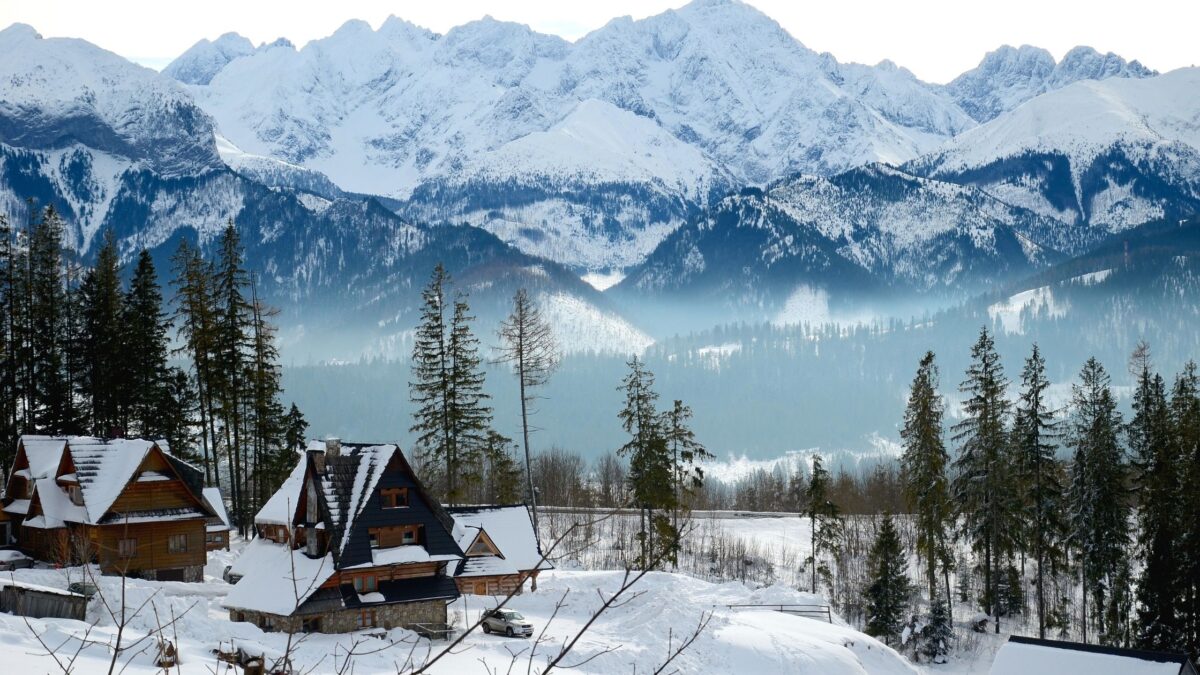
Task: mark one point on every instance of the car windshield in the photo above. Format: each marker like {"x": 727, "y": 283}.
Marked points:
{"x": 514, "y": 615}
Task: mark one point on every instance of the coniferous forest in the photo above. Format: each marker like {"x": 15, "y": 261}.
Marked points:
{"x": 186, "y": 355}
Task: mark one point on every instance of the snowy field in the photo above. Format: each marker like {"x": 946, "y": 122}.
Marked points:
{"x": 663, "y": 608}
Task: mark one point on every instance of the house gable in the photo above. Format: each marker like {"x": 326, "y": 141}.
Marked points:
{"x": 483, "y": 545}
{"x": 421, "y": 511}
{"x": 155, "y": 485}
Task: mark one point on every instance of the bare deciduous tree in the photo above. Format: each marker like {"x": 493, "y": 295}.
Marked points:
{"x": 527, "y": 344}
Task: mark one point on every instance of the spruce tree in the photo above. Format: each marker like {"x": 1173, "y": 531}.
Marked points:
{"x": 650, "y": 466}
{"x": 9, "y": 304}
{"x": 1185, "y": 423}
{"x": 1042, "y": 524}
{"x": 195, "y": 316}
{"x": 686, "y": 452}
{"x": 452, "y": 419}
{"x": 152, "y": 388}
{"x": 295, "y": 427}
{"x": 1156, "y": 480}
{"x": 232, "y": 327}
{"x": 267, "y": 425}
{"x": 502, "y": 474}
{"x": 937, "y": 634}
{"x": 107, "y": 382}
{"x": 825, "y": 534}
{"x": 1099, "y": 508}
{"x": 923, "y": 470}
{"x": 984, "y": 485}
{"x": 470, "y": 414}
{"x": 887, "y": 596}
{"x": 51, "y": 404}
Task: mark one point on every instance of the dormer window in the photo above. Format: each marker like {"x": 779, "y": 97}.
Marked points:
{"x": 395, "y": 535}
{"x": 394, "y": 498}
{"x": 75, "y": 494}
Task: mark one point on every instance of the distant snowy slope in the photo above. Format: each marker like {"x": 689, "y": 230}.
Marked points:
{"x": 802, "y": 249}
{"x": 1109, "y": 154}
{"x": 58, "y": 92}
{"x": 598, "y": 190}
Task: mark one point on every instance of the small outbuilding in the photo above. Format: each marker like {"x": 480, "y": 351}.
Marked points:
{"x": 41, "y": 602}
{"x": 501, "y": 550}
{"x": 1026, "y": 656}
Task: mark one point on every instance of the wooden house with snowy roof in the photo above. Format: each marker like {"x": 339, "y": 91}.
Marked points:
{"x": 1023, "y": 656}
{"x": 350, "y": 541}
{"x": 127, "y": 504}
{"x": 500, "y": 548}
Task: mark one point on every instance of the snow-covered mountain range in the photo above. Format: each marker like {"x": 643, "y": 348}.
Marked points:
{"x": 703, "y": 152}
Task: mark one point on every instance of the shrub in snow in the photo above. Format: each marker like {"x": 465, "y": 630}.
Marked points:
{"x": 937, "y": 633}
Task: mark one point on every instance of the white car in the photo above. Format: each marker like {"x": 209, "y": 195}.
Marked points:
{"x": 507, "y": 621}
{"x": 14, "y": 560}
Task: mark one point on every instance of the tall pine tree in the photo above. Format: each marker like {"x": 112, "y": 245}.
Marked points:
{"x": 452, "y": 419}
{"x": 1156, "y": 481}
{"x": 923, "y": 470}
{"x": 824, "y": 518}
{"x": 984, "y": 485}
{"x": 1099, "y": 508}
{"x": 1043, "y": 527}
{"x": 1185, "y": 423}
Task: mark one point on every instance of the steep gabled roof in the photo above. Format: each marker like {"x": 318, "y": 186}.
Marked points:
{"x": 42, "y": 453}
{"x": 102, "y": 468}
{"x": 51, "y": 507}
{"x": 212, "y": 497}
{"x": 347, "y": 484}
{"x": 510, "y": 528}
{"x": 349, "y": 479}
{"x": 280, "y": 509}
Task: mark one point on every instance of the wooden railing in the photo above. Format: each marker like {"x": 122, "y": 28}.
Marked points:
{"x": 811, "y": 611}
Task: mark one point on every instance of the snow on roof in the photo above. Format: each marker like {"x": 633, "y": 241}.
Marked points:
{"x": 486, "y": 566}
{"x": 37, "y": 587}
{"x": 44, "y": 454}
{"x": 104, "y": 468}
{"x": 279, "y": 508}
{"x": 279, "y": 581}
{"x": 57, "y": 506}
{"x": 212, "y": 495}
{"x": 348, "y": 482}
{"x": 400, "y": 555}
{"x": 18, "y": 506}
{"x": 1023, "y": 656}
{"x": 509, "y": 528}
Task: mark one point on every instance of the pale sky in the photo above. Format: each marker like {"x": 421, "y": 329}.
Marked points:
{"x": 936, "y": 39}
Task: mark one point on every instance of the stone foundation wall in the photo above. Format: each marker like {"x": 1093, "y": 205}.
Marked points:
{"x": 400, "y": 615}
{"x": 191, "y": 573}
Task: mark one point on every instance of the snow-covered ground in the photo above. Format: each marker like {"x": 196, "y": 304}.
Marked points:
{"x": 663, "y": 607}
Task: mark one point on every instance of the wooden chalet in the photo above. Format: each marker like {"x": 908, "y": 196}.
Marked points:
{"x": 501, "y": 551}
{"x": 350, "y": 541}
{"x": 127, "y": 504}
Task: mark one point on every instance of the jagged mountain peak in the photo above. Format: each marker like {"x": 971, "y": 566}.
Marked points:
{"x": 206, "y": 58}
{"x": 1008, "y": 76}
